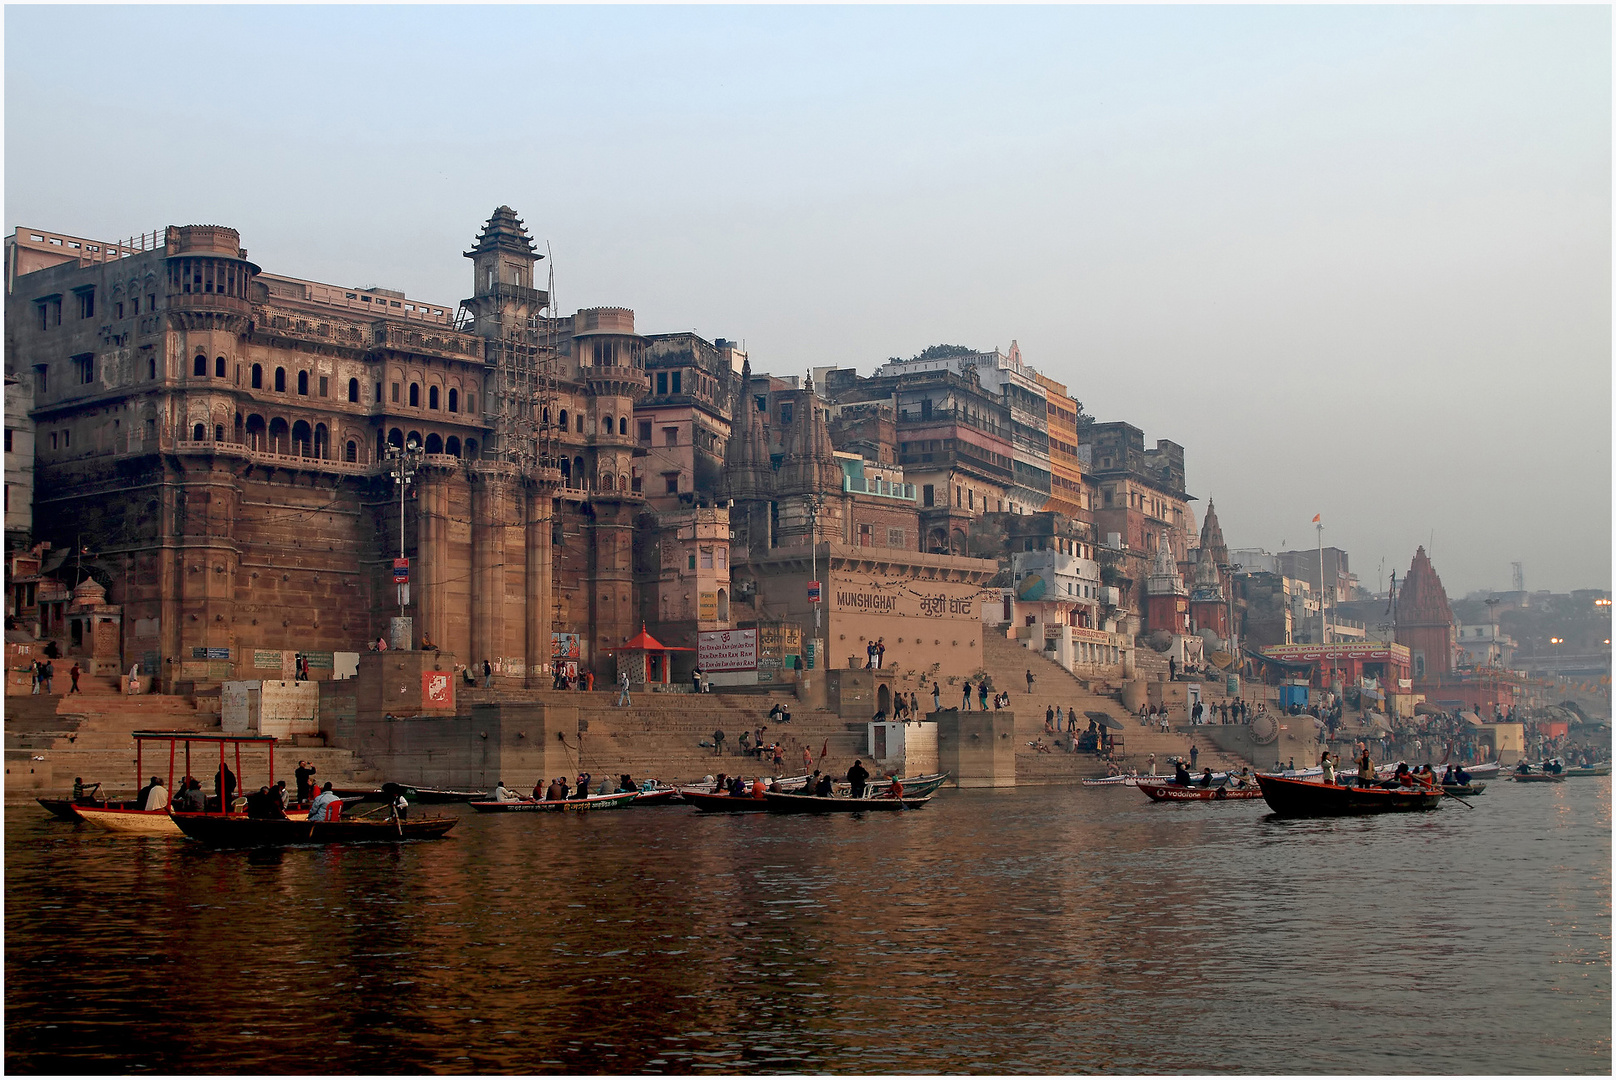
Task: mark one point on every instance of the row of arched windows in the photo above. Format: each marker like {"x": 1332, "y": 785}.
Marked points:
{"x": 433, "y": 443}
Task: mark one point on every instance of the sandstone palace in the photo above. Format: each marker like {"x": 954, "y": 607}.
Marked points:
{"x": 231, "y": 464}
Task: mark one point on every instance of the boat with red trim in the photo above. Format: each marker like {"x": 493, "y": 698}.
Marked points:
{"x": 1166, "y": 791}
{"x": 780, "y": 803}
{"x": 233, "y": 831}
{"x": 1314, "y": 798}
{"x": 530, "y": 806}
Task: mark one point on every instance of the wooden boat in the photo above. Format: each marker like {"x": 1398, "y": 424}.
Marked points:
{"x": 659, "y": 796}
{"x": 779, "y": 803}
{"x": 1464, "y": 791}
{"x": 1311, "y": 798}
{"x": 1587, "y": 770}
{"x": 66, "y": 808}
{"x": 126, "y": 817}
{"x": 725, "y": 804}
{"x": 1162, "y": 791}
{"x": 913, "y": 787}
{"x": 218, "y": 830}
{"x": 530, "y": 806}
{"x": 1537, "y": 778}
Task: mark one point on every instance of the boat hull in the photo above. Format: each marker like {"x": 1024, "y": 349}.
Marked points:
{"x": 778, "y": 803}
{"x": 1306, "y": 798}
{"x": 1162, "y": 792}
{"x": 724, "y": 804}
{"x": 1537, "y": 778}
{"x": 657, "y": 797}
{"x": 1587, "y": 770}
{"x": 144, "y": 822}
{"x": 1464, "y": 791}
{"x": 530, "y": 806}
{"x": 216, "y": 831}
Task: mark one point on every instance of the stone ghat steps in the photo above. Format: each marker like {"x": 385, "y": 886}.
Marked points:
{"x": 116, "y": 768}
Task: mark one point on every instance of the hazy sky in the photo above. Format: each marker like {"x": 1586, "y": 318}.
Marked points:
{"x": 1356, "y": 260}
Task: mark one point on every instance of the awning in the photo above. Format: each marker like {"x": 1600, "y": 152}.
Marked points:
{"x": 1378, "y": 722}
{"x": 1104, "y": 720}
{"x": 1471, "y": 718}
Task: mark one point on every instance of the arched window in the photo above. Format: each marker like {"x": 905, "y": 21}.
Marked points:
{"x": 413, "y": 437}
{"x": 199, "y": 432}
{"x": 255, "y": 433}
{"x": 351, "y": 451}
{"x": 606, "y": 481}
{"x": 199, "y": 366}
{"x": 415, "y": 395}
{"x": 395, "y": 438}
{"x": 566, "y": 424}
{"x": 578, "y": 470}
{"x": 218, "y": 367}
{"x": 303, "y": 383}
{"x": 622, "y": 425}
{"x": 471, "y": 448}
{"x": 451, "y": 446}
{"x": 277, "y": 436}
{"x": 300, "y": 439}
{"x": 218, "y": 433}
{"x": 606, "y": 426}
{"x": 454, "y": 400}
{"x": 566, "y": 472}
{"x": 280, "y": 380}
{"x": 258, "y": 377}
{"x": 580, "y": 423}
{"x": 434, "y": 443}
{"x": 353, "y": 389}
{"x": 723, "y": 604}
{"x": 432, "y": 397}
{"x": 322, "y": 442}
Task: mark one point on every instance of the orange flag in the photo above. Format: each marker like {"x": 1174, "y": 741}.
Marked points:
{"x": 1316, "y": 518}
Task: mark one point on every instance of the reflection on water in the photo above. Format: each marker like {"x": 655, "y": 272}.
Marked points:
{"x": 1047, "y": 930}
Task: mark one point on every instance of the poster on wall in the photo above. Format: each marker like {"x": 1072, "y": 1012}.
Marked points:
{"x": 707, "y": 607}
{"x": 437, "y": 689}
{"x": 566, "y": 647}
{"x": 727, "y": 650}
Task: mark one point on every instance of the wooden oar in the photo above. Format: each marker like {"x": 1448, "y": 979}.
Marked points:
{"x": 1456, "y": 799}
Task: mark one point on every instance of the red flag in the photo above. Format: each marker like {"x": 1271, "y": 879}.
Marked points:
{"x": 824, "y": 750}
{"x": 1316, "y": 518}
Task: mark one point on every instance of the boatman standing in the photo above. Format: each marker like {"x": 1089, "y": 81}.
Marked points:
{"x": 856, "y": 776}
{"x": 1366, "y": 769}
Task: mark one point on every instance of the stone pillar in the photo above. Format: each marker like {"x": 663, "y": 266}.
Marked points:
{"x": 612, "y": 590}
{"x": 977, "y": 749}
{"x": 431, "y": 571}
{"x": 492, "y": 514}
{"x": 539, "y": 569}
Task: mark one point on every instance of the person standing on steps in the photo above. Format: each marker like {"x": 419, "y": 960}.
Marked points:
{"x": 623, "y": 700}
{"x": 74, "y": 675}
{"x": 936, "y": 697}
{"x": 965, "y": 702}
{"x": 718, "y": 742}
{"x": 488, "y": 675}
{"x": 1029, "y": 680}
{"x": 881, "y": 652}
{"x": 1195, "y": 752}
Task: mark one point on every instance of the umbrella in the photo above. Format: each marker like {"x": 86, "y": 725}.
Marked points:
{"x": 1104, "y": 720}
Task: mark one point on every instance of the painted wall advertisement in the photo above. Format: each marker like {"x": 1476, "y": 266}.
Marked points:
{"x": 920, "y": 599}
{"x": 727, "y": 650}
{"x": 437, "y": 690}
{"x": 566, "y": 647}
{"x": 707, "y": 606}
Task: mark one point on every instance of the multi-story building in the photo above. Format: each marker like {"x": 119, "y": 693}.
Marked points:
{"x": 1141, "y": 492}
{"x": 1067, "y": 493}
{"x": 19, "y": 463}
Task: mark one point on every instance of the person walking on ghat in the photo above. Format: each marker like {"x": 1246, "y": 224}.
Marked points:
{"x": 623, "y": 699}
{"x": 74, "y": 675}
{"x": 936, "y": 697}
{"x": 488, "y": 675}
{"x": 965, "y": 704}
{"x": 1029, "y": 680}
{"x": 718, "y": 742}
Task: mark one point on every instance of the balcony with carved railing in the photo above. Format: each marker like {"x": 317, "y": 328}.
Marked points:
{"x": 615, "y": 380}
{"x": 137, "y": 446}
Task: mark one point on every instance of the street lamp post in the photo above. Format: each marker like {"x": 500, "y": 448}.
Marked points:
{"x": 403, "y": 463}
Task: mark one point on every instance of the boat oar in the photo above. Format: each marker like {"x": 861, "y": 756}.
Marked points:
{"x": 1456, "y": 799}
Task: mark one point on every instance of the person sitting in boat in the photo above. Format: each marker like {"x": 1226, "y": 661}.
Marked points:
{"x": 80, "y": 791}
{"x": 539, "y": 789}
{"x": 265, "y": 803}
{"x": 1327, "y": 767}
{"x": 154, "y": 796}
{"x": 320, "y": 808}
{"x": 757, "y": 788}
{"x": 1523, "y": 769}
{"x": 1206, "y": 777}
{"x": 1402, "y": 777}
{"x": 895, "y": 787}
{"x": 1447, "y": 776}
{"x": 501, "y": 793}
{"x": 1181, "y": 774}
{"x": 556, "y": 792}
{"x": 582, "y": 790}
{"x": 625, "y": 782}
{"x": 192, "y": 800}
{"x": 1460, "y": 776}
{"x": 1244, "y": 779}
{"x": 823, "y": 788}
{"x": 720, "y": 784}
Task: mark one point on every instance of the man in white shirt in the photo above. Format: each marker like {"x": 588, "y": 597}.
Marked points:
{"x": 504, "y": 794}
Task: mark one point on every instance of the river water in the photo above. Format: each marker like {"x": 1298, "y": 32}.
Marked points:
{"x": 1039, "y": 930}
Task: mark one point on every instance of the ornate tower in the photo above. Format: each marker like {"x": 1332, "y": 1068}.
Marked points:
{"x": 748, "y": 478}
{"x": 808, "y": 473}
{"x": 1424, "y": 619}
{"x": 1166, "y": 598}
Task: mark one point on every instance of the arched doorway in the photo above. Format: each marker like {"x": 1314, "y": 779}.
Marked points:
{"x": 883, "y": 700}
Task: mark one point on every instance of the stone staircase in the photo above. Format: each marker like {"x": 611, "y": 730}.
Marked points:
{"x": 50, "y": 739}
{"x": 1007, "y": 663}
